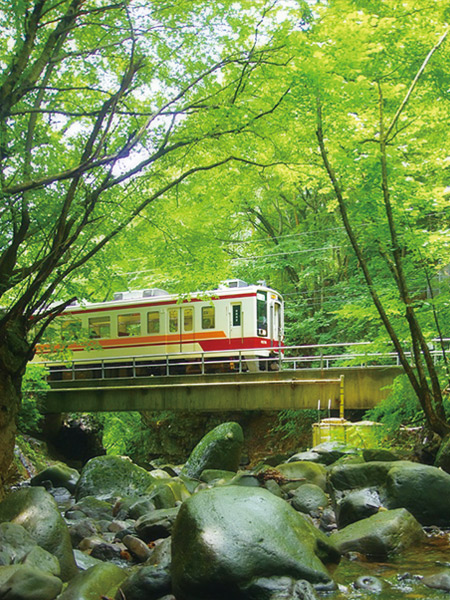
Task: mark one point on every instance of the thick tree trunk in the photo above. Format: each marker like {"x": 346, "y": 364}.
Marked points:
{"x": 14, "y": 353}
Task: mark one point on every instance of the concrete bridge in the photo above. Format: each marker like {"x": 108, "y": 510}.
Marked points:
{"x": 339, "y": 388}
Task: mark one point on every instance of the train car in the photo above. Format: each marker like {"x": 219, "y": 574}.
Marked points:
{"x": 239, "y": 326}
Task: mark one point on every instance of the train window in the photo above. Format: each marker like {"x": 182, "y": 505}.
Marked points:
{"x": 173, "y": 320}
{"x": 188, "y": 319}
{"x": 99, "y": 327}
{"x": 208, "y": 317}
{"x": 129, "y": 325}
{"x": 153, "y": 325}
{"x": 261, "y": 313}
{"x": 236, "y": 308}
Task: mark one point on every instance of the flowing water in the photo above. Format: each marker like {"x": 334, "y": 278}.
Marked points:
{"x": 400, "y": 576}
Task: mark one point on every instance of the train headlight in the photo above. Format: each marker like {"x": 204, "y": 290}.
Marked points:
{"x": 262, "y": 331}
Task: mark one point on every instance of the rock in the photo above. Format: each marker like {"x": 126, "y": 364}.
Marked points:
{"x": 422, "y": 489}
{"x": 359, "y": 475}
{"x": 157, "y": 524}
{"x": 132, "y": 507}
{"x": 379, "y": 454}
{"x": 37, "y": 512}
{"x": 381, "y": 535}
{"x": 84, "y": 561}
{"x": 330, "y": 452}
{"x": 220, "y": 448}
{"x": 39, "y": 558}
{"x": 151, "y": 583}
{"x": 279, "y": 588}
{"x": 99, "y": 581}
{"x": 15, "y": 543}
{"x": 226, "y": 536}
{"x": 162, "y": 553}
{"x": 357, "y": 505}
{"x": 443, "y": 456}
{"x": 301, "y": 472}
{"x": 369, "y": 584}
{"x": 28, "y": 583}
{"x": 60, "y": 475}
{"x": 94, "y": 508}
{"x": 107, "y": 552}
{"x": 162, "y": 496}
{"x": 216, "y": 475}
{"x": 308, "y": 455}
{"x": 438, "y": 581}
{"x": 137, "y": 547}
{"x": 310, "y": 499}
{"x": 107, "y": 477}
{"x": 81, "y": 530}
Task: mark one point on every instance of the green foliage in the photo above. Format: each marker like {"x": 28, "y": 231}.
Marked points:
{"x": 400, "y": 408}
{"x": 296, "y": 425}
{"x": 122, "y": 432}
{"x": 34, "y": 388}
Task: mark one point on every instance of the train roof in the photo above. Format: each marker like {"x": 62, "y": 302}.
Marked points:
{"x": 228, "y": 288}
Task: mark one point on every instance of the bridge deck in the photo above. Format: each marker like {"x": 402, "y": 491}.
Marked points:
{"x": 299, "y": 389}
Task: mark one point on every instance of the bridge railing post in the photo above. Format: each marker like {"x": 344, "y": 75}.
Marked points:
{"x": 167, "y": 365}
{"x": 341, "y": 397}
{"x": 240, "y": 361}
{"x": 203, "y": 363}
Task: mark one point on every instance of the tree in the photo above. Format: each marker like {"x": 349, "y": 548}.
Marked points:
{"x": 104, "y": 108}
{"x": 381, "y": 147}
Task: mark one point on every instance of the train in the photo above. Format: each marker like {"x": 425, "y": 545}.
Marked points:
{"x": 237, "y": 326}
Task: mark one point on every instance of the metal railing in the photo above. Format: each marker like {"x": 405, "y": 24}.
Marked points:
{"x": 318, "y": 356}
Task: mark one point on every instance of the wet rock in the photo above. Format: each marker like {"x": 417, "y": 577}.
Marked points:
{"x": 107, "y": 552}
{"x": 137, "y": 547}
{"x": 39, "y": 558}
{"x": 162, "y": 553}
{"x": 443, "y": 456}
{"x": 309, "y": 499}
{"x": 133, "y": 507}
{"x": 37, "y": 512}
{"x": 438, "y": 581}
{"x": 381, "y": 535}
{"x": 94, "y": 508}
{"x": 15, "y": 543}
{"x": 107, "y": 477}
{"x": 157, "y": 524}
{"x": 226, "y": 536}
{"x": 379, "y": 454}
{"x": 308, "y": 455}
{"x": 151, "y": 583}
{"x": 216, "y": 475}
{"x": 300, "y": 472}
{"x": 422, "y": 489}
{"x": 162, "y": 496}
{"x": 84, "y": 561}
{"x": 99, "y": 581}
{"x": 359, "y": 475}
{"x": 357, "y": 505}
{"x": 28, "y": 583}
{"x": 82, "y": 529}
{"x": 369, "y": 584}
{"x": 279, "y": 588}
{"x": 330, "y": 452}
{"x": 220, "y": 448}
{"x": 60, "y": 475}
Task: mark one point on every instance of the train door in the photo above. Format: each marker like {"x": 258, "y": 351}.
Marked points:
{"x": 181, "y": 328}
{"x": 275, "y": 332}
{"x": 236, "y": 321}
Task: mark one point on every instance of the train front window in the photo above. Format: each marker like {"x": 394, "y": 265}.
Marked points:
{"x": 208, "y": 317}
{"x": 99, "y": 327}
{"x": 153, "y": 322}
{"x": 261, "y": 314}
{"x": 129, "y": 325}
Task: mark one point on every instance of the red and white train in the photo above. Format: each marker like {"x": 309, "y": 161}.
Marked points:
{"x": 240, "y": 324}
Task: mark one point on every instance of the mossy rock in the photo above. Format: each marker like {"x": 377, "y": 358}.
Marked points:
{"x": 99, "y": 581}
{"x": 28, "y": 583}
{"x": 107, "y": 477}
{"x": 60, "y": 475}
{"x": 302, "y": 471}
{"x": 38, "y": 513}
{"x": 225, "y": 537}
{"x": 220, "y": 448}
{"x": 381, "y": 535}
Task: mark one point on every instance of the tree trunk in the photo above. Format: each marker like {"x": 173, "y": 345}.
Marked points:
{"x": 14, "y": 353}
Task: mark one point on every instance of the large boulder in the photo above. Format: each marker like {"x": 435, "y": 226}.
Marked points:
{"x": 59, "y": 475}
{"x": 220, "y": 448}
{"x": 28, "y": 583}
{"x": 150, "y": 582}
{"x": 381, "y": 535}
{"x": 225, "y": 537}
{"x": 359, "y": 475}
{"x": 37, "y": 512}
{"x": 357, "y": 505}
{"x": 107, "y": 477}
{"x": 99, "y": 581}
{"x": 422, "y": 489}
{"x": 299, "y": 472}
